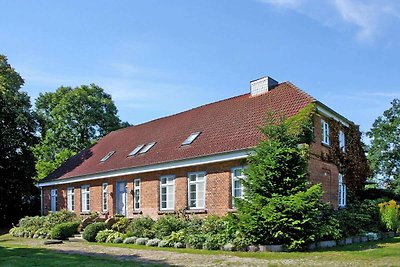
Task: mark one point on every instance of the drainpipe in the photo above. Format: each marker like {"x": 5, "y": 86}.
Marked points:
{"x": 41, "y": 201}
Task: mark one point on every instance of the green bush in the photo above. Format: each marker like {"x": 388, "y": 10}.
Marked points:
{"x": 167, "y": 224}
{"x": 141, "y": 227}
{"x": 91, "y": 231}
{"x": 102, "y": 235}
{"x": 359, "y": 217}
{"x": 175, "y": 237}
{"x": 390, "y": 215}
{"x": 41, "y": 226}
{"x": 121, "y": 225}
{"x": 112, "y": 236}
{"x": 64, "y": 230}
{"x": 54, "y": 218}
{"x": 195, "y": 240}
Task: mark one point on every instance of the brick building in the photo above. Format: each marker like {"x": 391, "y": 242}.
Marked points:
{"x": 192, "y": 160}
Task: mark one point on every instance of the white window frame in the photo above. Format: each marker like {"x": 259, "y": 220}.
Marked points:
{"x": 234, "y": 179}
{"x": 104, "y": 196}
{"x": 325, "y": 132}
{"x": 342, "y": 192}
{"x": 71, "y": 199}
{"x": 170, "y": 186}
{"x": 200, "y": 179}
{"x": 342, "y": 141}
{"x": 136, "y": 194}
{"x": 53, "y": 199}
{"x": 85, "y": 198}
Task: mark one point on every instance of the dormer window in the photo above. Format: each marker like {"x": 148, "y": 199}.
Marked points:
{"x": 106, "y": 157}
{"x": 136, "y": 150}
{"x": 191, "y": 138}
{"x": 147, "y": 147}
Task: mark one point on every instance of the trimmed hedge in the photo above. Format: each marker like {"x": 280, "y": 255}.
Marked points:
{"x": 91, "y": 231}
{"x": 64, "y": 230}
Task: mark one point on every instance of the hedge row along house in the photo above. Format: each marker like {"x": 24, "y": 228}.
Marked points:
{"x": 193, "y": 160}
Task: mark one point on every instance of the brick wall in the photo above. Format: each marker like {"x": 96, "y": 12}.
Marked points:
{"x": 218, "y": 186}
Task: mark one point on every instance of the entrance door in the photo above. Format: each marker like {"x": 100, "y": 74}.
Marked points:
{"x": 121, "y": 195}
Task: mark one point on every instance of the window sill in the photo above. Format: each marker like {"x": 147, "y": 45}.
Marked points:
{"x": 196, "y": 211}
{"x": 137, "y": 212}
{"x": 232, "y": 210}
{"x": 85, "y": 213}
{"x": 326, "y": 145}
{"x": 160, "y": 212}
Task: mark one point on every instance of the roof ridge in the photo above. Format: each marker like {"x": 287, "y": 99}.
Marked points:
{"x": 301, "y": 90}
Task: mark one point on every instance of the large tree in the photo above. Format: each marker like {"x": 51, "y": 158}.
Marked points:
{"x": 18, "y": 195}
{"x": 71, "y": 119}
{"x": 384, "y": 151}
{"x": 279, "y": 205}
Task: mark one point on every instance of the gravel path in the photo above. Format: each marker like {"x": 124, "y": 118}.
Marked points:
{"x": 156, "y": 257}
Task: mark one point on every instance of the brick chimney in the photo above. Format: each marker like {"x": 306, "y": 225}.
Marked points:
{"x": 262, "y": 85}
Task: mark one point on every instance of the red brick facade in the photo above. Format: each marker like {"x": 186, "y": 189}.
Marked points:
{"x": 218, "y": 186}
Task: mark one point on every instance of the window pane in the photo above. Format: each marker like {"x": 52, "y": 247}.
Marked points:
{"x": 192, "y": 188}
{"x": 192, "y": 178}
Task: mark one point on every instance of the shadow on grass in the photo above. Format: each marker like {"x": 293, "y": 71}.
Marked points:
{"x": 363, "y": 246}
{"x": 17, "y": 256}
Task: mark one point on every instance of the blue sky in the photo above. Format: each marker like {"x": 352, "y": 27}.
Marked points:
{"x": 160, "y": 57}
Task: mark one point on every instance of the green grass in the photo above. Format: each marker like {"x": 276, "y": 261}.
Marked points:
{"x": 11, "y": 255}
{"x": 379, "y": 253}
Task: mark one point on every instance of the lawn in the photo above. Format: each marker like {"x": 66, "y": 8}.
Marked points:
{"x": 20, "y": 252}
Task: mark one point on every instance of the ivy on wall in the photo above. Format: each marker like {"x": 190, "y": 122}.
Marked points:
{"x": 352, "y": 163}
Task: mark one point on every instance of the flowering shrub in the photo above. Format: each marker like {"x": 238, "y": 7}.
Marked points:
{"x": 390, "y": 215}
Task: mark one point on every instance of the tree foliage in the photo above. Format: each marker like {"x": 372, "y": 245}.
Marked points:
{"x": 18, "y": 195}
{"x": 70, "y": 120}
{"x": 384, "y": 151}
{"x": 279, "y": 206}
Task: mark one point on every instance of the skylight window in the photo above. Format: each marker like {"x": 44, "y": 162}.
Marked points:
{"x": 191, "y": 138}
{"x": 136, "y": 150}
{"x": 147, "y": 147}
{"x": 106, "y": 157}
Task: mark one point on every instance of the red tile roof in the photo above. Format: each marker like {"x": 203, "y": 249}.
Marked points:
{"x": 226, "y": 125}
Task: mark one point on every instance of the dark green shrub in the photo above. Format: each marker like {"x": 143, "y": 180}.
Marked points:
{"x": 196, "y": 240}
{"x": 64, "y": 230}
{"x": 167, "y": 224}
{"x": 141, "y": 227}
{"x": 91, "y": 231}
{"x": 121, "y": 225}
{"x": 279, "y": 206}
{"x": 359, "y": 217}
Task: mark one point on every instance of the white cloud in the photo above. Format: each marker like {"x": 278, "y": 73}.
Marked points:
{"x": 370, "y": 17}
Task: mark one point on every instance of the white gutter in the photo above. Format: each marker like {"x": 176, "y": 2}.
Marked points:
{"x": 233, "y": 155}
